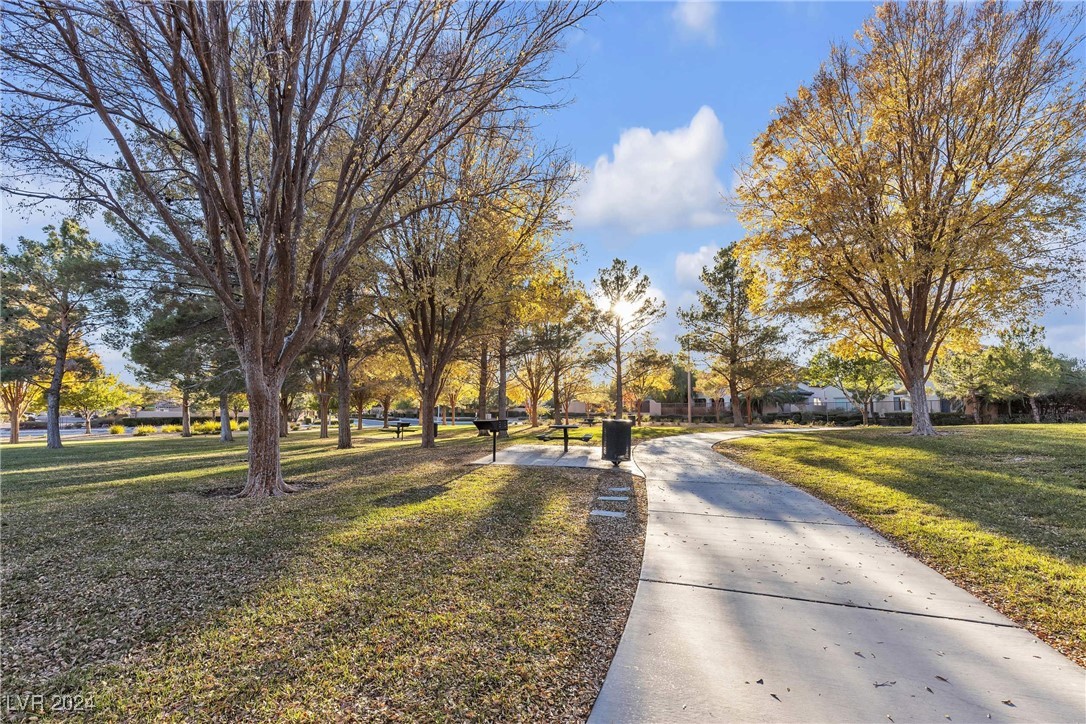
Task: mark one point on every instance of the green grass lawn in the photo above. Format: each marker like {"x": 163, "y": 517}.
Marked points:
{"x": 1001, "y": 510}
{"x": 400, "y": 584}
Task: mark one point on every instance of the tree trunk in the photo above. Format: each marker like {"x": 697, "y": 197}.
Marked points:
{"x": 918, "y": 399}
{"x": 618, "y": 371}
{"x": 343, "y": 399}
{"x": 863, "y": 413}
{"x": 225, "y": 433}
{"x": 484, "y": 377}
{"x": 186, "y": 423}
{"x": 555, "y": 392}
{"x": 750, "y": 412}
{"x": 322, "y": 413}
{"x": 284, "y": 410}
{"x": 87, "y": 424}
{"x": 452, "y": 405}
{"x": 52, "y": 394}
{"x": 427, "y": 403}
{"x": 386, "y": 403}
{"x": 1034, "y": 409}
{"x": 977, "y": 415}
{"x": 13, "y": 434}
{"x": 265, "y": 476}
{"x": 503, "y": 383}
{"x": 737, "y": 406}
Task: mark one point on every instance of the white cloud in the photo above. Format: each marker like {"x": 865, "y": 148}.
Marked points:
{"x": 658, "y": 181}
{"x": 688, "y": 265}
{"x": 696, "y": 19}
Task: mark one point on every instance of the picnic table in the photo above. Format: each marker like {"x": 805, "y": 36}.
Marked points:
{"x": 400, "y": 426}
{"x": 565, "y": 434}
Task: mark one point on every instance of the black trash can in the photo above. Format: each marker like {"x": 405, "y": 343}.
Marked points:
{"x": 617, "y": 440}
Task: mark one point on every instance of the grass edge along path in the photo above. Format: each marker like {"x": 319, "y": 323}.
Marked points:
{"x": 999, "y": 510}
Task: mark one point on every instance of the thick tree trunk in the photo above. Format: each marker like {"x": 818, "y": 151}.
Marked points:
{"x": 503, "y": 383}
{"x": 186, "y": 422}
{"x": 427, "y": 403}
{"x": 386, "y": 403}
{"x": 343, "y": 399}
{"x": 918, "y": 399}
{"x": 225, "y": 433}
{"x": 977, "y": 414}
{"x": 1034, "y": 409}
{"x": 265, "y": 478}
{"x": 13, "y": 434}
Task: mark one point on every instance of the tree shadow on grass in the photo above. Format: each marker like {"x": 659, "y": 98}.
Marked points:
{"x": 445, "y": 603}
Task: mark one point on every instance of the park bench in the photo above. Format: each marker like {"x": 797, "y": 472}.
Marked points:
{"x": 590, "y": 421}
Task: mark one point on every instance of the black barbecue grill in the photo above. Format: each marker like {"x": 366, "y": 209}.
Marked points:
{"x": 493, "y": 427}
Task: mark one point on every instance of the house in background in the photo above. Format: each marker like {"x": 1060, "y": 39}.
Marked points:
{"x": 828, "y": 400}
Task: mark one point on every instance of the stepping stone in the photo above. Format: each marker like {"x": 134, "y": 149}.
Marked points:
{"x": 609, "y": 513}
{"x": 619, "y": 490}
{"x": 616, "y": 498}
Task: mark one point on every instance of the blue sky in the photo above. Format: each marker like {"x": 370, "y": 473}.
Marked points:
{"x": 667, "y": 100}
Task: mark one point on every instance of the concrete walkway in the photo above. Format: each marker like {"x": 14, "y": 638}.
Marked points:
{"x": 579, "y": 456}
{"x": 758, "y": 602}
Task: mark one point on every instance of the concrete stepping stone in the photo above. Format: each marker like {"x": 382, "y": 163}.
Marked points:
{"x": 608, "y": 513}
{"x": 619, "y": 490}
{"x": 616, "y": 498}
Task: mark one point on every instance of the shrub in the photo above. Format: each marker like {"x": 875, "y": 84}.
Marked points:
{"x": 171, "y": 428}
{"x": 233, "y": 424}
{"x": 244, "y": 426}
{"x": 116, "y": 429}
{"x": 142, "y": 430}
{"x": 206, "y": 427}
{"x": 133, "y": 421}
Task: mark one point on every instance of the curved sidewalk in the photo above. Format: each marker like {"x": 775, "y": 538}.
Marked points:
{"x": 758, "y": 602}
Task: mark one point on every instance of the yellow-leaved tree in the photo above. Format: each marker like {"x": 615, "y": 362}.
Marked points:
{"x": 928, "y": 179}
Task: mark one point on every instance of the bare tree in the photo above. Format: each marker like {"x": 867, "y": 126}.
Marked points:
{"x": 447, "y": 266}
{"x": 269, "y": 140}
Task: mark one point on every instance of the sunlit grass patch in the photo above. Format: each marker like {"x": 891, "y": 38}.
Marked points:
{"x": 1000, "y": 510}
